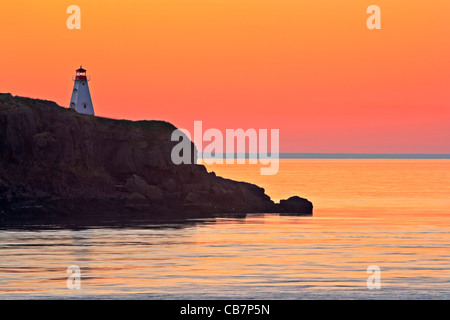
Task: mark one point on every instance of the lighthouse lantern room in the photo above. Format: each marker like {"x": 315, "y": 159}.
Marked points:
{"x": 81, "y": 97}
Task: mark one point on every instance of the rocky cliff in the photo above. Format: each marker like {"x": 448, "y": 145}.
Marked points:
{"x": 56, "y": 162}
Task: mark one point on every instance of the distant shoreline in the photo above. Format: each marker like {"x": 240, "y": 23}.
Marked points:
{"x": 419, "y": 156}
{"x": 361, "y": 156}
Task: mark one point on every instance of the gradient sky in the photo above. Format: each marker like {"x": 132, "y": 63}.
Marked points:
{"x": 309, "y": 68}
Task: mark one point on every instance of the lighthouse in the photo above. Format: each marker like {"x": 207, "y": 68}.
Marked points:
{"x": 81, "y": 97}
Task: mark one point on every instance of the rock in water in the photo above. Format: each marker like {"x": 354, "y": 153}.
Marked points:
{"x": 296, "y": 205}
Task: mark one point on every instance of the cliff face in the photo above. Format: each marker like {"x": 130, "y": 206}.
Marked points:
{"x": 56, "y": 161}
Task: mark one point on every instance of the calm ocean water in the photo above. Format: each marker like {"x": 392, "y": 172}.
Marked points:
{"x": 391, "y": 213}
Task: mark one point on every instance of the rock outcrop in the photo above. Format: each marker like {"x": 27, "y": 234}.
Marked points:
{"x": 295, "y": 205}
{"x": 54, "y": 161}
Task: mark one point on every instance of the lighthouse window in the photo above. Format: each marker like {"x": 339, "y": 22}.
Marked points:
{"x": 75, "y": 90}
{"x": 82, "y": 83}
{"x": 85, "y": 105}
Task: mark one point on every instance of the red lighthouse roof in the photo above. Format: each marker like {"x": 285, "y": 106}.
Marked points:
{"x": 81, "y": 69}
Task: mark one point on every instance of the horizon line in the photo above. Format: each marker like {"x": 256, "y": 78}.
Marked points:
{"x": 325, "y": 155}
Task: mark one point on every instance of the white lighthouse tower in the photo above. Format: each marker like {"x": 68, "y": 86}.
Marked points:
{"x": 81, "y": 97}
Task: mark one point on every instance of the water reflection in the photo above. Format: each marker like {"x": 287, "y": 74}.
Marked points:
{"x": 400, "y": 222}
{"x": 261, "y": 256}
{"x": 71, "y": 223}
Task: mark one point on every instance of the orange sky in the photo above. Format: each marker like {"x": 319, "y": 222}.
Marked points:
{"x": 309, "y": 68}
